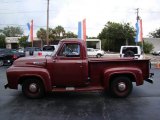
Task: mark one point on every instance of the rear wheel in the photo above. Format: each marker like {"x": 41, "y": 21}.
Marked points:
{"x": 98, "y": 55}
{"x": 1, "y": 62}
{"x": 121, "y": 87}
{"x": 33, "y": 88}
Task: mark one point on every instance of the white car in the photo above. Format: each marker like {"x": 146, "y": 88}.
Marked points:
{"x": 95, "y": 52}
{"x": 131, "y": 51}
{"x": 47, "y": 50}
{"x": 156, "y": 53}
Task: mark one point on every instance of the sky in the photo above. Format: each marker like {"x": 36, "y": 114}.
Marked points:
{"x": 68, "y": 13}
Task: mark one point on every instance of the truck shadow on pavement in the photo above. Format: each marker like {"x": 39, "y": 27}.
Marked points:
{"x": 75, "y": 105}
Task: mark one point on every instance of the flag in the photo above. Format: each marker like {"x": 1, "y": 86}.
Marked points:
{"x": 139, "y": 32}
{"x": 82, "y": 30}
{"x": 30, "y": 28}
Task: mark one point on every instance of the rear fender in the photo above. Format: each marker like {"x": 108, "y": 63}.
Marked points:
{"x": 134, "y": 73}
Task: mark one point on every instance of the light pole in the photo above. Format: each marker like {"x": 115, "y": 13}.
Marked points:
{"x": 47, "y": 32}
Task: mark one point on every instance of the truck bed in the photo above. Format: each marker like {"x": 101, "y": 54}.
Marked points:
{"x": 97, "y": 66}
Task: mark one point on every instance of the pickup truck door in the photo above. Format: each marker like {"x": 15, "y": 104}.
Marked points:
{"x": 67, "y": 66}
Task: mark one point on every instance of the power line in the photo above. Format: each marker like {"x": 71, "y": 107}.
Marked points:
{"x": 21, "y": 12}
{"x": 6, "y": 2}
{"x": 44, "y": 26}
{"x": 40, "y": 11}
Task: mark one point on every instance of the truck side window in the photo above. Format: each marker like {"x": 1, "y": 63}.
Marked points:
{"x": 70, "y": 50}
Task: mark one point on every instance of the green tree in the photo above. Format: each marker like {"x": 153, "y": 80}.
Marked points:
{"x": 11, "y": 31}
{"x": 70, "y": 35}
{"x": 42, "y": 34}
{"x": 2, "y": 41}
{"x": 60, "y": 32}
{"x": 147, "y": 47}
{"x": 114, "y": 35}
{"x": 23, "y": 41}
{"x": 155, "y": 34}
{"x": 52, "y": 34}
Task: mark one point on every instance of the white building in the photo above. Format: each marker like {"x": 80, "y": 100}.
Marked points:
{"x": 154, "y": 41}
{"x": 95, "y": 42}
{"x": 12, "y": 42}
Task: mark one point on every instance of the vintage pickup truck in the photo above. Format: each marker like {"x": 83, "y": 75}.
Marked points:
{"x": 69, "y": 69}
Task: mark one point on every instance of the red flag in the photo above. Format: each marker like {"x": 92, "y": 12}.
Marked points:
{"x": 31, "y": 31}
{"x": 84, "y": 29}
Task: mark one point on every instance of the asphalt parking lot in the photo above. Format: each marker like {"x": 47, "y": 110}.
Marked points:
{"x": 142, "y": 104}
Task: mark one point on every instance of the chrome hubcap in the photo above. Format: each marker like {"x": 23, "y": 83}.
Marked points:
{"x": 121, "y": 86}
{"x": 33, "y": 87}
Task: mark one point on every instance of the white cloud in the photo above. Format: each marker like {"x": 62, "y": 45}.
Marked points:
{"x": 97, "y": 13}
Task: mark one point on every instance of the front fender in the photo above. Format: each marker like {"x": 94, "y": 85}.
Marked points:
{"x": 136, "y": 74}
{"x": 15, "y": 74}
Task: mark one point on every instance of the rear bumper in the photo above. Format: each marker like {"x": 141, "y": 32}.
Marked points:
{"x": 6, "y": 86}
{"x": 150, "y": 80}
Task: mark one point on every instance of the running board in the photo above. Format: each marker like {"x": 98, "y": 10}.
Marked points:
{"x": 76, "y": 89}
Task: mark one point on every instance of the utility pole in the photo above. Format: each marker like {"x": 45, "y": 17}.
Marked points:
{"x": 137, "y": 11}
{"x": 47, "y": 39}
{"x": 137, "y": 18}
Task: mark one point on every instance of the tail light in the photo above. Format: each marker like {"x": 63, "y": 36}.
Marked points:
{"x": 15, "y": 57}
{"x": 39, "y": 53}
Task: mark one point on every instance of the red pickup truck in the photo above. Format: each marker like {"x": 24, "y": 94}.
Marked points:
{"x": 69, "y": 69}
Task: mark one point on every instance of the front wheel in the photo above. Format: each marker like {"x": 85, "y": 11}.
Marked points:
{"x": 121, "y": 87}
{"x": 33, "y": 88}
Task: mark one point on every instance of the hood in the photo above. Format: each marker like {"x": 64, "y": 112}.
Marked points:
{"x": 30, "y": 62}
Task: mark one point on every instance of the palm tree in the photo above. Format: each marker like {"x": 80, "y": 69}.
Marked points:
{"x": 60, "y": 32}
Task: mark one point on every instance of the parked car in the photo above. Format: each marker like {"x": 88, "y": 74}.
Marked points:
{"x": 156, "y": 52}
{"x": 95, "y": 52}
{"x": 32, "y": 50}
{"x": 19, "y": 53}
{"x": 7, "y": 56}
{"x": 131, "y": 51}
{"x": 47, "y": 50}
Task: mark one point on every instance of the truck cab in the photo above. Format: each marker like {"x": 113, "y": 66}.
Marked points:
{"x": 69, "y": 66}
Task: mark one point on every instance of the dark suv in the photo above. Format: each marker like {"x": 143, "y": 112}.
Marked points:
{"x": 7, "y": 56}
{"x": 31, "y": 50}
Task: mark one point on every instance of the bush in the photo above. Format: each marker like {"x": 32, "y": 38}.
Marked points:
{"x": 2, "y": 41}
{"x": 147, "y": 47}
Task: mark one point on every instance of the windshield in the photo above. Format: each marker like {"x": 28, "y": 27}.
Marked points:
{"x": 133, "y": 49}
{"x": 48, "y": 48}
{"x": 56, "y": 48}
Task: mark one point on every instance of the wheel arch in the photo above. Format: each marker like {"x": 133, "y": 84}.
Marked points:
{"x": 134, "y": 74}
{"x": 46, "y": 83}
